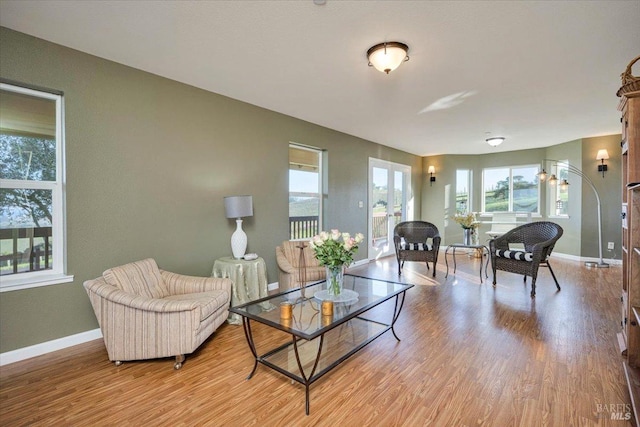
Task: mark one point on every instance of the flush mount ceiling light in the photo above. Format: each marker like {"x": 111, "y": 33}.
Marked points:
{"x": 387, "y": 56}
{"x": 495, "y": 141}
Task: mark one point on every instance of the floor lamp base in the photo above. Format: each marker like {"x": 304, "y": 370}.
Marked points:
{"x": 593, "y": 264}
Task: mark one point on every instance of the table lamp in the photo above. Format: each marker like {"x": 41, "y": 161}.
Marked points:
{"x": 238, "y": 207}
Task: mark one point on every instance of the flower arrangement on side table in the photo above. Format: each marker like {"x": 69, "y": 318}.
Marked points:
{"x": 334, "y": 250}
{"x": 467, "y": 220}
{"x": 469, "y": 223}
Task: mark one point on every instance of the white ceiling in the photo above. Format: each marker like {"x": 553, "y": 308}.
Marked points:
{"x": 537, "y": 72}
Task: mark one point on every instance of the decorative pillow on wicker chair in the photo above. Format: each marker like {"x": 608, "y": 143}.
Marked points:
{"x": 517, "y": 255}
{"x": 415, "y": 246}
{"x": 138, "y": 278}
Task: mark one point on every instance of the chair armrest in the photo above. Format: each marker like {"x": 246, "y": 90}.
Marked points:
{"x": 283, "y": 262}
{"x": 110, "y": 293}
{"x": 436, "y": 241}
{"x": 180, "y": 284}
{"x": 542, "y": 250}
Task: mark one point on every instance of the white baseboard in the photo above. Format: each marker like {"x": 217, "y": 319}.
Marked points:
{"x": 585, "y": 259}
{"x": 49, "y": 346}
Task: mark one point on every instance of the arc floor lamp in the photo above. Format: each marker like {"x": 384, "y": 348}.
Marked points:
{"x": 574, "y": 170}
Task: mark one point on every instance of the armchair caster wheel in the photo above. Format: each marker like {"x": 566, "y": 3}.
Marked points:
{"x": 118, "y": 362}
{"x": 179, "y": 359}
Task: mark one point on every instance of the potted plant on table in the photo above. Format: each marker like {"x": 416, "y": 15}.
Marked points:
{"x": 335, "y": 250}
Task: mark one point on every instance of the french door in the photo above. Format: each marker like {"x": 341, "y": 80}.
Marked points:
{"x": 389, "y": 204}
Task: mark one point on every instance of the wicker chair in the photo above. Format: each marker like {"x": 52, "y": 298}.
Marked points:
{"x": 411, "y": 241}
{"x": 538, "y": 239}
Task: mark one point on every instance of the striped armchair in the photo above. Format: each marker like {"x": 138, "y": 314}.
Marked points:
{"x": 288, "y": 258}
{"x": 147, "y": 313}
{"x": 523, "y": 249}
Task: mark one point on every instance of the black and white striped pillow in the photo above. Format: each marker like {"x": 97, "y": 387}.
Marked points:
{"x": 517, "y": 255}
{"x": 415, "y": 246}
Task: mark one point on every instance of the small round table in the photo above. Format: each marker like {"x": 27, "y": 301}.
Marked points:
{"x": 249, "y": 279}
{"x": 482, "y": 248}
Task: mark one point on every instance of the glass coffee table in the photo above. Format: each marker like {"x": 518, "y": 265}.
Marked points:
{"x": 320, "y": 343}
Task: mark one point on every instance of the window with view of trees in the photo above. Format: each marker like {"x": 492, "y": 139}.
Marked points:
{"x": 511, "y": 189}
{"x": 31, "y": 190}
{"x": 305, "y": 191}
{"x": 463, "y": 190}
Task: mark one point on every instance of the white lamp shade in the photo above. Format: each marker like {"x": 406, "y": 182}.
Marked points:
{"x": 238, "y": 206}
{"x": 432, "y": 169}
{"x": 602, "y": 155}
{"x": 386, "y": 57}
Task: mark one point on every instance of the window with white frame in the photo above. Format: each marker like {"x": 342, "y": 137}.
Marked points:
{"x": 559, "y": 190}
{"x": 463, "y": 190}
{"x": 511, "y": 189}
{"x": 32, "y": 239}
{"x": 305, "y": 192}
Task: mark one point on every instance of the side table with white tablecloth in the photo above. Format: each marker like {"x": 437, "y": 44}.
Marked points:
{"x": 249, "y": 279}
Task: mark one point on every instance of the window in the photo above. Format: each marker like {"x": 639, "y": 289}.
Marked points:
{"x": 305, "y": 191}
{"x": 31, "y": 188}
{"x": 463, "y": 190}
{"x": 511, "y": 189}
{"x": 560, "y": 193}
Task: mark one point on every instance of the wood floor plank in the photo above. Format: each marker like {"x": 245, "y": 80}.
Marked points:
{"x": 470, "y": 355}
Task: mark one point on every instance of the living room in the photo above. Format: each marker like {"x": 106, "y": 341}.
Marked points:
{"x": 149, "y": 160}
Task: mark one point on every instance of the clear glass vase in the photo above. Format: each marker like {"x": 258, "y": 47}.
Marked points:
{"x": 335, "y": 280}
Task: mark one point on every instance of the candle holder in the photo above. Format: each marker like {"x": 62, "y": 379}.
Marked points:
{"x": 286, "y": 310}
{"x": 327, "y": 308}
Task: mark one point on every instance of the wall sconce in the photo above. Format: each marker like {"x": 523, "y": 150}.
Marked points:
{"x": 432, "y": 178}
{"x": 602, "y": 156}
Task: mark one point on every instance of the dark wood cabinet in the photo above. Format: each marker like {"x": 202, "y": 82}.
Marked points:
{"x": 630, "y": 215}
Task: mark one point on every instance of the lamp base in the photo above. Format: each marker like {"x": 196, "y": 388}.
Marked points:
{"x": 594, "y": 264}
{"x": 238, "y": 241}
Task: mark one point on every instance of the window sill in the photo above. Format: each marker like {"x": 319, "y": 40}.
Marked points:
{"x": 559, "y": 217}
{"x": 518, "y": 215}
{"x": 15, "y": 283}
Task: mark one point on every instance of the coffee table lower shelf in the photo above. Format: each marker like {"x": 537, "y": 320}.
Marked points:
{"x": 307, "y": 361}
{"x": 319, "y": 342}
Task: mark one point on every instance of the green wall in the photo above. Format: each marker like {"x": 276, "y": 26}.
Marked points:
{"x": 149, "y": 161}
{"x": 610, "y": 191}
{"x": 580, "y": 229}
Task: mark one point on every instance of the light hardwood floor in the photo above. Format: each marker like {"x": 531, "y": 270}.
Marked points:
{"x": 470, "y": 355}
